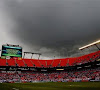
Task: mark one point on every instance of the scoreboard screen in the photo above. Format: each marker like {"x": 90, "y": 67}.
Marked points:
{"x": 11, "y": 51}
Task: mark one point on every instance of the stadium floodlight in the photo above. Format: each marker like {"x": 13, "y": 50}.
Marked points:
{"x": 86, "y": 46}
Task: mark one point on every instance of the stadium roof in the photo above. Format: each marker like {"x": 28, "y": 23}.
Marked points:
{"x": 91, "y": 44}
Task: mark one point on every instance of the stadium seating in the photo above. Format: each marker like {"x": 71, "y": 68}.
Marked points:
{"x": 11, "y": 62}
{"x": 64, "y": 62}
{"x": 56, "y": 63}
{"x": 43, "y": 63}
{"x": 28, "y": 62}
{"x": 36, "y": 63}
{"x": 84, "y": 75}
{"x": 51, "y": 63}
{"x": 20, "y": 63}
{"x": 2, "y": 62}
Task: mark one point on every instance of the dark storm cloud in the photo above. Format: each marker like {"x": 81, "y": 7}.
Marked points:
{"x": 59, "y": 26}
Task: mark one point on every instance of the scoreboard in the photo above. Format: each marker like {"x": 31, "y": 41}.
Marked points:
{"x": 11, "y": 51}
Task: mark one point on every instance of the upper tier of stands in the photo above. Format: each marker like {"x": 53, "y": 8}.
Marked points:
{"x": 51, "y": 63}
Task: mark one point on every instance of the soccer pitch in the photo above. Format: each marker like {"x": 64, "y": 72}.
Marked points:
{"x": 51, "y": 86}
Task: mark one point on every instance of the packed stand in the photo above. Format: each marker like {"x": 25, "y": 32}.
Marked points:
{"x": 63, "y": 76}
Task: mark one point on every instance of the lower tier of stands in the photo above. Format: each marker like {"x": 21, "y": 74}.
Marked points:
{"x": 62, "y": 76}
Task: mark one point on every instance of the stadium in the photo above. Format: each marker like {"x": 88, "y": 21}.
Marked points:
{"x": 73, "y": 72}
{"x": 49, "y": 44}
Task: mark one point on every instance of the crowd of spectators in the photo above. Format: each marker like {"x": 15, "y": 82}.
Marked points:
{"x": 62, "y": 76}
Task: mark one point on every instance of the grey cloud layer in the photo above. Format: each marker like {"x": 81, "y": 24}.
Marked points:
{"x": 59, "y": 26}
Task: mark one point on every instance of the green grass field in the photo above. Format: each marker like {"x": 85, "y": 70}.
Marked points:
{"x": 51, "y": 86}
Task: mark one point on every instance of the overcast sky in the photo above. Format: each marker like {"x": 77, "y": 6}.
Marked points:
{"x": 51, "y": 27}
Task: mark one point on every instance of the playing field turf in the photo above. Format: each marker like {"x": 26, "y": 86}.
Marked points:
{"x": 51, "y": 86}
